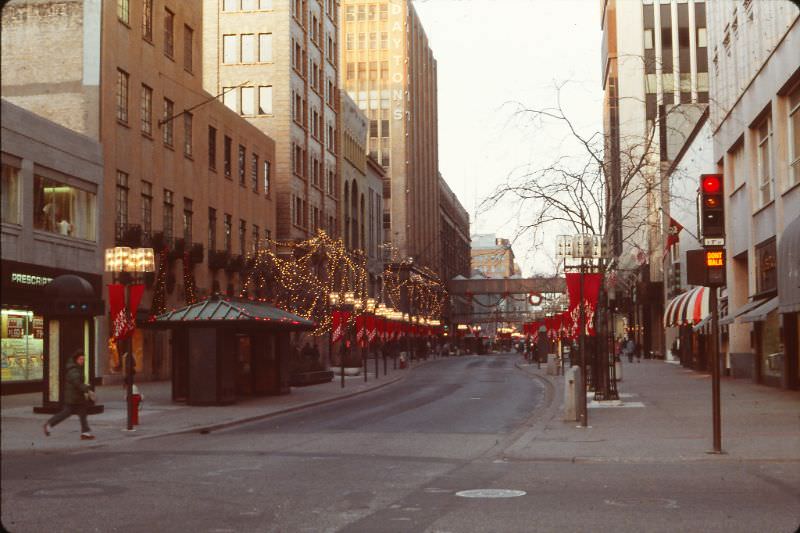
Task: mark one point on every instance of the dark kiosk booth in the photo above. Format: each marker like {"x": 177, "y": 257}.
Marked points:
{"x": 69, "y": 307}
{"x": 224, "y": 349}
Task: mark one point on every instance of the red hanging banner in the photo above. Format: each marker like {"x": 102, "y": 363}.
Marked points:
{"x": 339, "y": 325}
{"x": 591, "y": 292}
{"x": 361, "y": 330}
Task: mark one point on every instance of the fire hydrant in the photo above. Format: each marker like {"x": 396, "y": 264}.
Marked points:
{"x": 136, "y": 401}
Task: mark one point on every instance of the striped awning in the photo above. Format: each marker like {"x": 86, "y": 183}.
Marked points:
{"x": 688, "y": 308}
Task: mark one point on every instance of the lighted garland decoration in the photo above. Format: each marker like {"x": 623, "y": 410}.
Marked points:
{"x": 299, "y": 276}
{"x": 159, "y": 304}
{"x": 189, "y": 286}
{"x": 300, "y": 279}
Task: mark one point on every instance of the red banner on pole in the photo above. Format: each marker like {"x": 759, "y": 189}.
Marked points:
{"x": 591, "y": 292}
{"x": 339, "y": 325}
{"x": 361, "y": 330}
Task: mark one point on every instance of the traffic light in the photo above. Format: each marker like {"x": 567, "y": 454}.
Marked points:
{"x": 712, "y": 206}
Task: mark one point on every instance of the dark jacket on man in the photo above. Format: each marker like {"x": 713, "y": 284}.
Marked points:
{"x": 74, "y": 386}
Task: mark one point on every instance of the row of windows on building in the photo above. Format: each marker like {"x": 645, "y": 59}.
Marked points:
{"x": 168, "y": 218}
{"x": 309, "y": 166}
{"x": 366, "y": 12}
{"x": 374, "y": 40}
{"x": 367, "y": 70}
{"x": 247, "y": 48}
{"x": 309, "y": 117}
{"x": 312, "y": 219}
{"x": 249, "y": 101}
{"x": 58, "y": 207}
{"x": 124, "y": 16}
{"x": 764, "y": 156}
{"x": 169, "y": 117}
{"x": 308, "y": 69}
{"x": 246, "y": 5}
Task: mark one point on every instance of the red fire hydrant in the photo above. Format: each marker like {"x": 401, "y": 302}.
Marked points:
{"x": 136, "y": 402}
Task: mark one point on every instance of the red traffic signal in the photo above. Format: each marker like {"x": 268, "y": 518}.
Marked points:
{"x": 712, "y": 206}
{"x": 712, "y": 184}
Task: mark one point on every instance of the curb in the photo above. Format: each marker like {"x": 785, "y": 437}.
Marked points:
{"x": 204, "y": 430}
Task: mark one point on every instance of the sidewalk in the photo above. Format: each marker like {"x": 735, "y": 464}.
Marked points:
{"x": 22, "y": 428}
{"x": 665, "y": 416}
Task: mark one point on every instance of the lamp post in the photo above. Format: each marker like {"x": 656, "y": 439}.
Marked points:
{"x": 126, "y": 264}
{"x": 333, "y": 299}
{"x": 582, "y": 247}
{"x": 369, "y": 306}
{"x": 381, "y": 312}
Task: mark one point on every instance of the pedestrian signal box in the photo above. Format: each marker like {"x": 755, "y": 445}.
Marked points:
{"x": 705, "y": 267}
{"x": 712, "y": 206}
{"x": 715, "y": 258}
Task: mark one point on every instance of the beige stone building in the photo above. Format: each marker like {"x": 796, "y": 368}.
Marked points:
{"x": 754, "y": 51}
{"x": 362, "y": 192}
{"x": 274, "y": 62}
{"x": 389, "y": 71}
{"x": 183, "y": 173}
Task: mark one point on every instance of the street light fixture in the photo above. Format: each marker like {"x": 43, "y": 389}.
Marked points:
{"x": 582, "y": 246}
{"x": 127, "y": 264}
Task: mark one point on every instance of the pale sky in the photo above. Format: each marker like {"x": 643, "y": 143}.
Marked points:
{"x": 493, "y": 55}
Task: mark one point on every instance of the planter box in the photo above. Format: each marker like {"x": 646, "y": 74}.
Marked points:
{"x": 348, "y": 370}
{"x": 311, "y": 378}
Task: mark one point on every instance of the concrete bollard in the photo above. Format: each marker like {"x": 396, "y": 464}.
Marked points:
{"x": 618, "y": 370}
{"x": 572, "y": 380}
{"x": 552, "y": 368}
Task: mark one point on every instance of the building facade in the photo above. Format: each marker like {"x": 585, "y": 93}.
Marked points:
{"x": 275, "y": 62}
{"x": 389, "y": 70}
{"x": 652, "y": 70}
{"x": 455, "y": 250}
{"x": 754, "y": 52}
{"x": 492, "y": 257}
{"x": 362, "y": 193}
{"x": 52, "y": 183}
{"x": 183, "y": 174}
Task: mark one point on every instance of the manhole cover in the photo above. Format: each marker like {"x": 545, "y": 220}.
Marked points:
{"x": 491, "y": 493}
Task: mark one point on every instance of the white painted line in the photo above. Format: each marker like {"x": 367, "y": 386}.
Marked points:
{"x": 491, "y": 493}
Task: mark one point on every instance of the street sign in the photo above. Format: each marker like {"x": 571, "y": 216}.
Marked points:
{"x": 714, "y": 241}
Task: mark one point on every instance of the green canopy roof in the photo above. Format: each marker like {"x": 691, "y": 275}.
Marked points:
{"x": 224, "y": 310}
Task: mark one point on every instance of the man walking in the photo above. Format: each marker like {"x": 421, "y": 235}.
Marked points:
{"x": 75, "y": 397}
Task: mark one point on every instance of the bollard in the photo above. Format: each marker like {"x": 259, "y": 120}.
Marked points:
{"x": 618, "y": 370}
{"x": 572, "y": 380}
{"x": 551, "y": 365}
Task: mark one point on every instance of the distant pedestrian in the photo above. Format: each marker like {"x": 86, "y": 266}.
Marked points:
{"x": 77, "y": 394}
{"x": 629, "y": 348}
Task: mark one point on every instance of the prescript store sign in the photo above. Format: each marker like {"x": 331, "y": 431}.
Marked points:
{"x": 29, "y": 280}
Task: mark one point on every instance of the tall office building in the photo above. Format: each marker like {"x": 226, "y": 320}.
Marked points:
{"x": 274, "y": 62}
{"x": 655, "y": 78}
{"x": 390, "y": 72}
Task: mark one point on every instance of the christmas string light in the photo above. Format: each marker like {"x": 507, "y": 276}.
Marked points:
{"x": 159, "y": 303}
{"x": 189, "y": 284}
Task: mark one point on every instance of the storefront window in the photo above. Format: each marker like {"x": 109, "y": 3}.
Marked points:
{"x": 64, "y": 209}
{"x": 22, "y": 345}
{"x": 766, "y": 266}
{"x": 10, "y": 194}
{"x": 771, "y": 356}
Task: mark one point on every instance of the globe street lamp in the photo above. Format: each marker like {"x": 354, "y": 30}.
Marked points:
{"x": 127, "y": 266}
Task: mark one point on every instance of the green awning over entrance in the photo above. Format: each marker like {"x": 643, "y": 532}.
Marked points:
{"x": 223, "y": 310}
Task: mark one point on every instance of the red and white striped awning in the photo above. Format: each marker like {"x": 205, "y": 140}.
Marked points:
{"x": 688, "y": 308}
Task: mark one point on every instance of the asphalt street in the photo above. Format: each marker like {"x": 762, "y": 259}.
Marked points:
{"x": 393, "y": 460}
